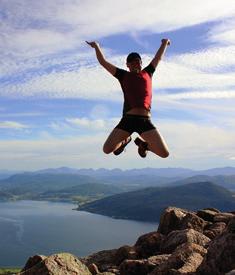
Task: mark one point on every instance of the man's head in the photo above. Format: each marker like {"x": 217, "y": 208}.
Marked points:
{"x": 134, "y": 62}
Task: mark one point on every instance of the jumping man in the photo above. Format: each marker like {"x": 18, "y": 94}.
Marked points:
{"x": 136, "y": 85}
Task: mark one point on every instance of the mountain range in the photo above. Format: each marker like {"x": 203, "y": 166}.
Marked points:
{"x": 161, "y": 172}
{"x": 134, "y": 194}
{"x": 64, "y": 177}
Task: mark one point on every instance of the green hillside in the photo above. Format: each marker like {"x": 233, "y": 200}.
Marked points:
{"x": 147, "y": 204}
{"x": 38, "y": 183}
{"x": 63, "y": 187}
{"x": 227, "y": 181}
{"x": 5, "y": 196}
{"x": 82, "y": 192}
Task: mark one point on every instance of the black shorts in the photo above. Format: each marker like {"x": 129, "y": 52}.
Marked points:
{"x": 135, "y": 123}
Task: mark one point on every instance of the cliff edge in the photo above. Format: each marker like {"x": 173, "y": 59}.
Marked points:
{"x": 186, "y": 242}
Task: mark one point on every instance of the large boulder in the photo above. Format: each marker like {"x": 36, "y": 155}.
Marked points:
{"x": 178, "y": 237}
{"x": 191, "y": 220}
{"x": 142, "y": 266}
{"x": 214, "y": 229}
{"x": 170, "y": 219}
{"x": 208, "y": 214}
{"x": 123, "y": 253}
{"x": 136, "y": 267}
{"x": 184, "y": 260}
{"x": 32, "y": 261}
{"x": 220, "y": 257}
{"x": 104, "y": 259}
{"x": 178, "y": 219}
{"x": 149, "y": 244}
{"x": 57, "y": 264}
{"x": 224, "y": 217}
{"x": 95, "y": 271}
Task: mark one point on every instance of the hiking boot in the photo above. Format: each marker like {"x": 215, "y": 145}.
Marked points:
{"x": 119, "y": 150}
{"x": 142, "y": 147}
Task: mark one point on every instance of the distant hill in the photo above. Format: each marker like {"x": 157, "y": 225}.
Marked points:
{"x": 91, "y": 190}
{"x": 227, "y": 181}
{"x": 55, "y": 187}
{"x": 5, "y": 196}
{"x": 4, "y": 174}
{"x": 160, "y": 172}
{"x": 38, "y": 183}
{"x": 147, "y": 204}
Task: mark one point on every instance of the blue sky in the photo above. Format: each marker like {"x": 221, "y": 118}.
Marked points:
{"x": 58, "y": 105}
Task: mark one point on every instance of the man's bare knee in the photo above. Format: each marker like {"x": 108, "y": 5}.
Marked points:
{"x": 165, "y": 154}
{"x": 107, "y": 149}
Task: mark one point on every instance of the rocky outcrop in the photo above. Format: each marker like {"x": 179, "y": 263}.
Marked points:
{"x": 58, "y": 264}
{"x": 186, "y": 242}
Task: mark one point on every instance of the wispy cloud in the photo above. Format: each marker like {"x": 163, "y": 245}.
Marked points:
{"x": 43, "y": 55}
{"x": 12, "y": 125}
{"x": 45, "y": 31}
{"x": 97, "y": 124}
{"x": 55, "y": 22}
{"x": 198, "y": 139}
{"x": 203, "y": 95}
{"x": 189, "y": 142}
{"x": 93, "y": 82}
{"x": 223, "y": 33}
{"x": 85, "y": 123}
{"x": 22, "y": 114}
{"x": 212, "y": 59}
{"x": 34, "y": 29}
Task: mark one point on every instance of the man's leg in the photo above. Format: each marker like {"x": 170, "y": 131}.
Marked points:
{"x": 115, "y": 139}
{"x": 156, "y": 143}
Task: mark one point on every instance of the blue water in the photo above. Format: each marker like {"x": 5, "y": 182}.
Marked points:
{"x": 35, "y": 227}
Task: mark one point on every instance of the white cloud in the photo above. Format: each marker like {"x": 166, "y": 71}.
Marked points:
{"x": 22, "y": 114}
{"x": 43, "y": 54}
{"x": 12, "y": 125}
{"x": 51, "y": 152}
{"x": 203, "y": 95}
{"x": 188, "y": 142}
{"x": 85, "y": 123}
{"x": 32, "y": 28}
{"x": 97, "y": 124}
{"x": 212, "y": 59}
{"x": 193, "y": 72}
{"x": 197, "y": 140}
{"x": 87, "y": 83}
{"x": 223, "y": 33}
{"x": 173, "y": 76}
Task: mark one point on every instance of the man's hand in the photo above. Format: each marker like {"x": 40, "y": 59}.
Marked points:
{"x": 166, "y": 41}
{"x": 93, "y": 44}
{"x": 108, "y": 66}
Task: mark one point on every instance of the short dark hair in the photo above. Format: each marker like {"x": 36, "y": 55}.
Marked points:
{"x": 132, "y": 56}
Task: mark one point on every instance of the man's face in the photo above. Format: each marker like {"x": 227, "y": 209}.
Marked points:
{"x": 135, "y": 65}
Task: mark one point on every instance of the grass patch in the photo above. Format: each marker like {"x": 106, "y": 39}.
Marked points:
{"x": 4, "y": 271}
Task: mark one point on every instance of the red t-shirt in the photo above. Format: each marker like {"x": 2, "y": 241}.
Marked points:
{"x": 136, "y": 87}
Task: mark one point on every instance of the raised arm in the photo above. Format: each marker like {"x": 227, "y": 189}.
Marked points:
{"x": 159, "y": 54}
{"x": 100, "y": 57}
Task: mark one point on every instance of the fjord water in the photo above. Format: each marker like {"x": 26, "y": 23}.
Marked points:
{"x": 28, "y": 228}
